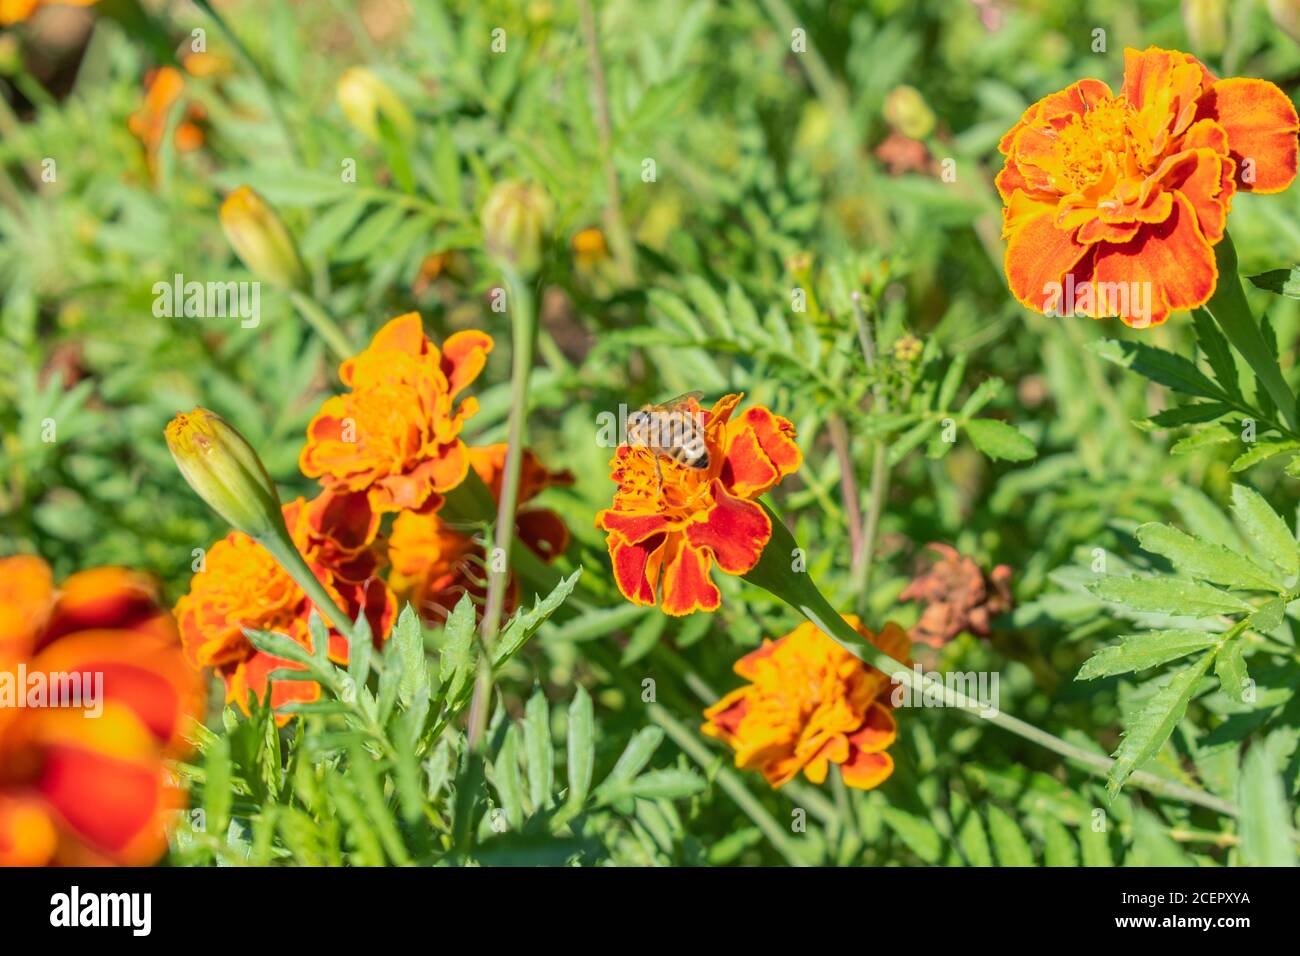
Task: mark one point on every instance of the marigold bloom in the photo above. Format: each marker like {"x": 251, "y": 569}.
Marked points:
{"x": 434, "y": 564}
{"x": 810, "y": 703}
{"x": 16, "y": 11}
{"x": 242, "y": 585}
{"x": 396, "y": 434}
{"x": 163, "y": 88}
{"x": 703, "y": 515}
{"x": 75, "y": 788}
{"x": 1104, "y": 191}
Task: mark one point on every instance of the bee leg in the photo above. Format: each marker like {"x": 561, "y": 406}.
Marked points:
{"x": 659, "y": 478}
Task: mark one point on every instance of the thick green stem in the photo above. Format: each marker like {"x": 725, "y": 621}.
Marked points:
{"x": 523, "y": 328}
{"x": 323, "y": 324}
{"x": 775, "y": 573}
{"x": 284, "y": 552}
{"x": 1229, "y": 308}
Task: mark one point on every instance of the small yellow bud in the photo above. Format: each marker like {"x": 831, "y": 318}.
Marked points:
{"x": 222, "y": 467}
{"x": 799, "y": 264}
{"x": 260, "y": 239}
{"x": 907, "y": 112}
{"x": 908, "y": 348}
{"x": 589, "y": 248}
{"x": 516, "y": 218}
{"x": 366, "y": 100}
{"x": 1207, "y": 23}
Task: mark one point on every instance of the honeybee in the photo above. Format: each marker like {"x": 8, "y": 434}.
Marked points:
{"x": 670, "y": 430}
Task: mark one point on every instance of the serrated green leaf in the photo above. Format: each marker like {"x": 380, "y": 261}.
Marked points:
{"x": 1152, "y": 725}
{"x": 1164, "y": 368}
{"x": 999, "y": 440}
{"x": 1230, "y": 668}
{"x": 1137, "y": 652}
{"x": 581, "y": 747}
{"x": 1265, "y": 819}
{"x": 1265, "y": 529}
{"x": 1168, "y": 596}
{"x": 1009, "y": 844}
{"x": 538, "y": 750}
{"x": 1201, "y": 559}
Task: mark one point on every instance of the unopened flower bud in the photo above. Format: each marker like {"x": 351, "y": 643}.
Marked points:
{"x": 366, "y": 101}
{"x": 908, "y": 348}
{"x": 516, "y": 218}
{"x": 1206, "y": 23}
{"x": 260, "y": 239}
{"x": 222, "y": 467}
{"x": 907, "y": 112}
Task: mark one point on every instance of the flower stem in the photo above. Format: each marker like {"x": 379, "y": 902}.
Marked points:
{"x": 775, "y": 574}
{"x": 324, "y": 325}
{"x": 284, "y": 552}
{"x": 523, "y": 328}
{"x": 1229, "y": 308}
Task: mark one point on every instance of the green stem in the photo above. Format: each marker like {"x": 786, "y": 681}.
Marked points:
{"x": 523, "y": 328}
{"x": 284, "y": 552}
{"x": 323, "y": 324}
{"x": 775, "y": 574}
{"x": 1229, "y": 308}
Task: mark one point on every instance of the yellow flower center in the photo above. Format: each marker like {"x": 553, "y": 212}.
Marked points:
{"x": 1099, "y": 142}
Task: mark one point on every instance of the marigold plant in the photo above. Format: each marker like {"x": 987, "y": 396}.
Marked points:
{"x": 810, "y": 703}
{"x": 663, "y": 538}
{"x": 396, "y": 434}
{"x": 1103, "y": 189}
{"x": 83, "y": 783}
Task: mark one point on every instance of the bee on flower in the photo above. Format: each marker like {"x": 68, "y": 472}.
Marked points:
{"x": 674, "y": 516}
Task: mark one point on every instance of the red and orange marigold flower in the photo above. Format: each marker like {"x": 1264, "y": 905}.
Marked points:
{"x": 78, "y": 789}
{"x": 242, "y": 585}
{"x": 1103, "y": 189}
{"x": 664, "y": 541}
{"x": 396, "y": 434}
{"x": 810, "y": 703}
{"x": 434, "y": 564}
{"x": 164, "y": 87}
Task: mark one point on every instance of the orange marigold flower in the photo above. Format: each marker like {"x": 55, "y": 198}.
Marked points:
{"x": 434, "y": 563}
{"x": 810, "y": 703}
{"x": 1109, "y": 196}
{"x": 396, "y": 434}
{"x": 242, "y": 585}
{"x": 16, "y": 11}
{"x": 958, "y": 596}
{"x": 76, "y": 790}
{"x": 700, "y": 515}
{"x": 163, "y": 88}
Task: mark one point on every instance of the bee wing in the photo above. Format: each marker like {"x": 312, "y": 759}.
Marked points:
{"x": 678, "y": 400}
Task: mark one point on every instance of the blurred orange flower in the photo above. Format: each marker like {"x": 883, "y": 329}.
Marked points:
{"x": 434, "y": 564}
{"x": 1104, "y": 191}
{"x": 396, "y": 434}
{"x": 16, "y": 11}
{"x": 163, "y": 89}
{"x": 810, "y": 703}
{"x": 701, "y": 515}
{"x": 83, "y": 783}
{"x": 241, "y": 585}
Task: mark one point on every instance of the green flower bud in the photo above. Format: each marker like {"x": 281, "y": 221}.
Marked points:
{"x": 223, "y": 468}
{"x": 366, "y": 99}
{"x": 260, "y": 239}
{"x": 516, "y": 218}
{"x": 907, "y": 112}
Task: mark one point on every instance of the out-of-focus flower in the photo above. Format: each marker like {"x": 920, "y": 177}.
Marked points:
{"x": 700, "y": 516}
{"x": 163, "y": 89}
{"x": 1109, "y": 194}
{"x": 222, "y": 467}
{"x": 396, "y": 434}
{"x": 94, "y": 695}
{"x": 1206, "y": 22}
{"x": 367, "y": 101}
{"x": 260, "y": 239}
{"x": 810, "y": 703}
{"x": 906, "y": 110}
{"x": 434, "y": 564}
{"x": 16, "y": 11}
{"x": 242, "y": 585}
{"x": 958, "y": 597}
{"x": 589, "y": 248}
{"x": 908, "y": 348}
{"x": 901, "y": 154}
{"x": 516, "y": 218}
